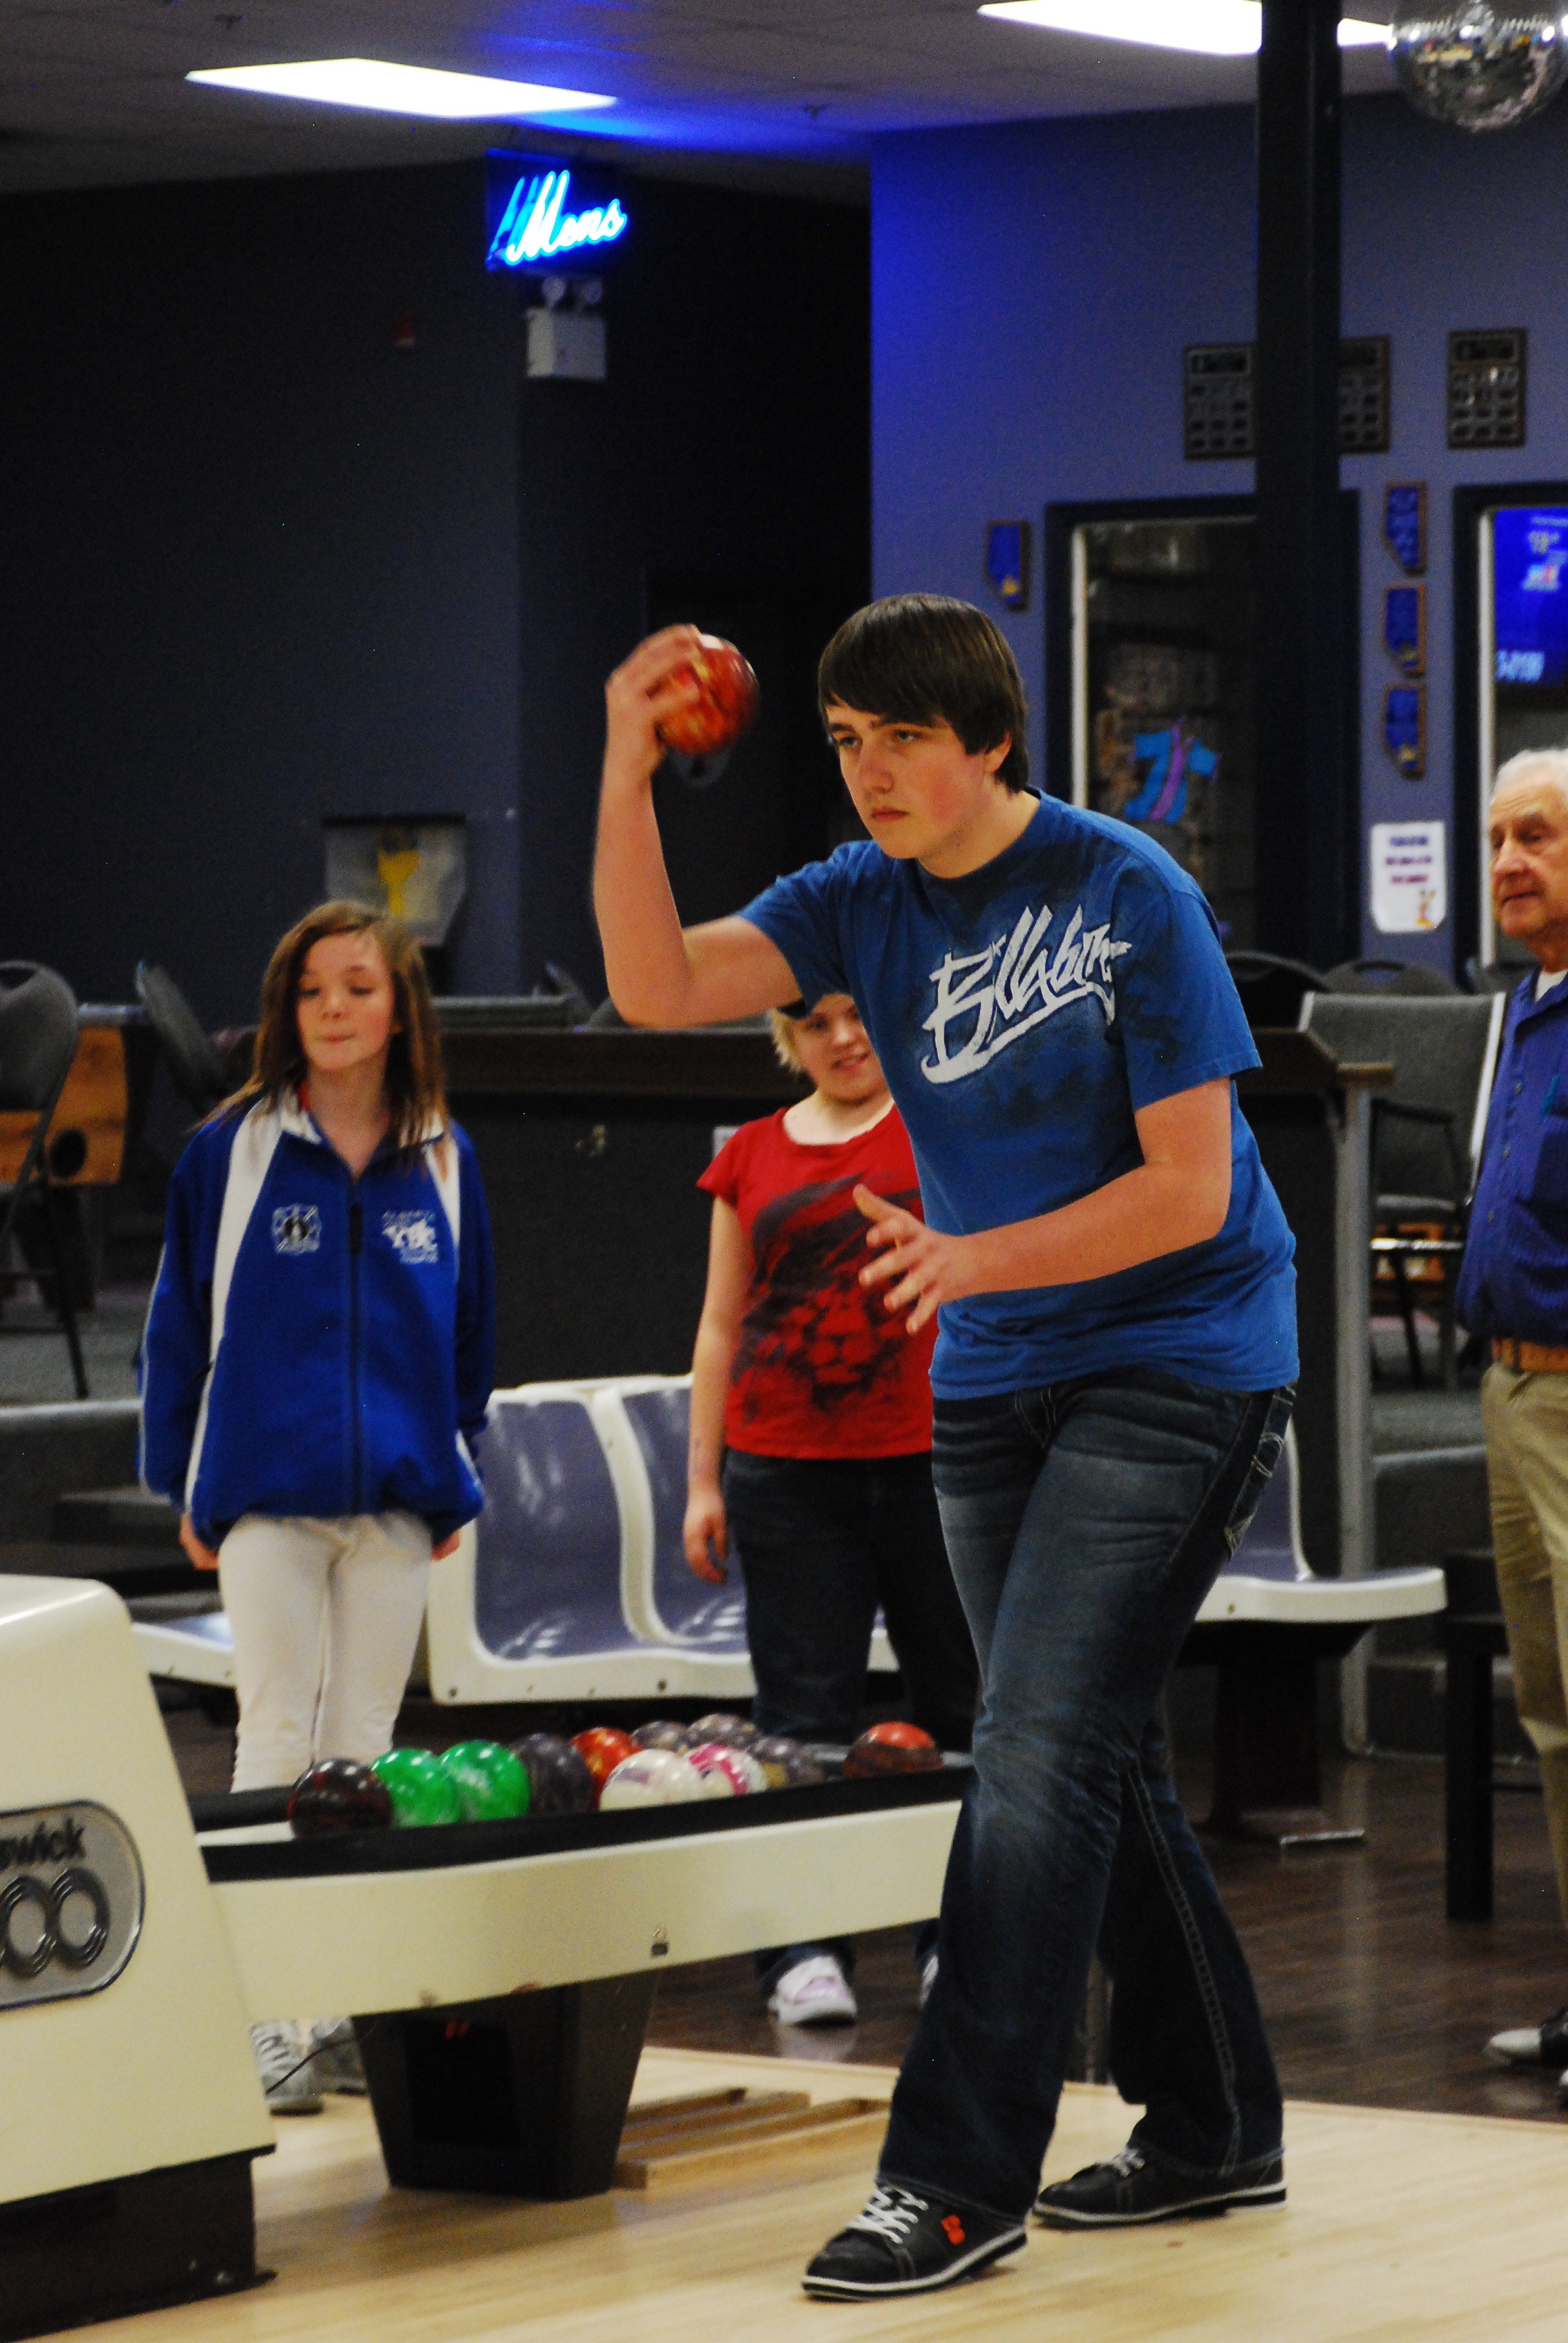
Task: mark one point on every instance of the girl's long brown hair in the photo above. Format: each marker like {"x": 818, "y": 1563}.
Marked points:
{"x": 416, "y": 1092}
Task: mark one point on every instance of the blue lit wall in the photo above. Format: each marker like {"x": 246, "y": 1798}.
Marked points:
{"x": 1034, "y": 284}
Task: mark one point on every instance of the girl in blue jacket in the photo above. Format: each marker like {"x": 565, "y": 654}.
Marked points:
{"x": 319, "y": 1350}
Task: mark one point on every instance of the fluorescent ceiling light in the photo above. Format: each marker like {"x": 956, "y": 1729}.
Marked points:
{"x": 403, "y": 89}
{"x": 1211, "y": 28}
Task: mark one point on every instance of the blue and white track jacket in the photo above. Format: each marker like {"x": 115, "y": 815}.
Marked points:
{"x": 319, "y": 1345}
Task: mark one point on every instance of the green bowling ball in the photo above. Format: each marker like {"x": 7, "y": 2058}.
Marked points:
{"x": 421, "y": 1792}
{"x": 492, "y": 1786}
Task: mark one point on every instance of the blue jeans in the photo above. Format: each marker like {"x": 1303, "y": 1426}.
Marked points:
{"x": 1085, "y": 1522}
{"x": 822, "y": 1542}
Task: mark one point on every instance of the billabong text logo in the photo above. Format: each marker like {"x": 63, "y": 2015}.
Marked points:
{"x": 1005, "y": 991}
{"x": 412, "y": 1236}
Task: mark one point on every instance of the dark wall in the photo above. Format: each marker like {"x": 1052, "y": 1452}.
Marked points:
{"x": 261, "y": 565}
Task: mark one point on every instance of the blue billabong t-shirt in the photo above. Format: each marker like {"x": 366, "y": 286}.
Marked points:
{"x": 1022, "y": 1014}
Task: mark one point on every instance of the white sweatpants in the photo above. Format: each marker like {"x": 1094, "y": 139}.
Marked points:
{"x": 326, "y": 1616}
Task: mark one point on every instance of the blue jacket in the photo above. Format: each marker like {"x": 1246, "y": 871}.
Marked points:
{"x": 318, "y": 1344}
{"x": 1514, "y": 1279}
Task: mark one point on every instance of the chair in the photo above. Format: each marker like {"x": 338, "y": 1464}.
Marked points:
{"x": 1265, "y": 1625}
{"x": 1272, "y": 987}
{"x": 197, "y": 1072}
{"x": 1404, "y": 979}
{"x": 1426, "y": 1133}
{"x": 1496, "y": 975}
{"x": 37, "y": 1043}
{"x": 684, "y": 1609}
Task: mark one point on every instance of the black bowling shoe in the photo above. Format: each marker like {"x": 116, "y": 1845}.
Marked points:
{"x": 1545, "y": 2044}
{"x": 1130, "y": 2188}
{"x": 905, "y": 2244}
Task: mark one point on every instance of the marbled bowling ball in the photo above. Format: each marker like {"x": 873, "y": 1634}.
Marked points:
{"x": 337, "y": 1794}
{"x": 421, "y": 1793}
{"x": 775, "y": 1753}
{"x": 718, "y": 1756}
{"x": 558, "y": 1779}
{"x": 805, "y": 1773}
{"x": 727, "y": 704}
{"x": 601, "y": 1749}
{"x": 663, "y": 1733}
{"x": 650, "y": 1777}
{"x": 734, "y": 1732}
{"x": 492, "y": 1784}
{"x": 892, "y": 1748}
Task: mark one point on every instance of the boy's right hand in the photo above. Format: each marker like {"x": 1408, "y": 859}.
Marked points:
{"x": 637, "y": 694}
{"x": 202, "y": 1556}
{"x": 706, "y": 1536}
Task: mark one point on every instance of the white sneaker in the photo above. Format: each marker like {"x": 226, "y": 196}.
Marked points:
{"x": 283, "y": 2061}
{"x": 335, "y": 2063}
{"x": 815, "y": 1992}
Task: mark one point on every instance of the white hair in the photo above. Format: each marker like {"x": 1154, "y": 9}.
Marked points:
{"x": 1553, "y": 762}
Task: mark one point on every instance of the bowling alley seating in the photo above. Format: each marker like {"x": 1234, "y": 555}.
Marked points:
{"x": 38, "y": 1026}
{"x": 1272, "y": 987}
{"x": 1426, "y": 1134}
{"x": 194, "y": 1066}
{"x": 1404, "y": 979}
{"x": 1265, "y": 1623}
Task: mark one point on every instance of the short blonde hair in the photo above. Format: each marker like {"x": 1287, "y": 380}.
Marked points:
{"x": 782, "y": 1029}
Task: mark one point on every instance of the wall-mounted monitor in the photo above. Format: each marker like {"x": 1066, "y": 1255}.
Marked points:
{"x": 1530, "y": 595}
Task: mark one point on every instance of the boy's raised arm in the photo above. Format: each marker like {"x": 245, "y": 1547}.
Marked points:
{"x": 659, "y": 973}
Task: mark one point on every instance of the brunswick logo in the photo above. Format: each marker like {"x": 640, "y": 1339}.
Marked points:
{"x": 1015, "y": 984}
{"x": 71, "y": 1902}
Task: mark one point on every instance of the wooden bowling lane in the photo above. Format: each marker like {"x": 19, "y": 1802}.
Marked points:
{"x": 1445, "y": 2229}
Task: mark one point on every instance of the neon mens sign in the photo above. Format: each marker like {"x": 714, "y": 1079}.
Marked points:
{"x": 535, "y": 226}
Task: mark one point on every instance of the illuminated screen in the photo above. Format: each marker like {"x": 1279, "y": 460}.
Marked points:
{"x": 1530, "y": 570}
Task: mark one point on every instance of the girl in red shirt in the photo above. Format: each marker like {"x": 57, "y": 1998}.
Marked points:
{"x": 811, "y": 1434}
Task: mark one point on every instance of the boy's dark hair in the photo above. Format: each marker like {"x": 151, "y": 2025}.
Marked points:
{"x": 929, "y": 658}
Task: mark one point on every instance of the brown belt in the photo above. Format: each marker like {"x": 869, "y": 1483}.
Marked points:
{"x": 1531, "y": 1358}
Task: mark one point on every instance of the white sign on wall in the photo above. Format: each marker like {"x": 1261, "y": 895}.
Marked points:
{"x": 1409, "y": 877}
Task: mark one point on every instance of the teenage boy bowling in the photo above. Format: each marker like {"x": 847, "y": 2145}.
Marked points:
{"x": 1113, "y": 1375}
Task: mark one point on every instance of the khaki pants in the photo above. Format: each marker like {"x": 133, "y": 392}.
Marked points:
{"x": 1526, "y": 1421}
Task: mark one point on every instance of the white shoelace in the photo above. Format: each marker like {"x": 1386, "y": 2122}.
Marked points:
{"x": 891, "y": 2213}
{"x": 1126, "y": 2161}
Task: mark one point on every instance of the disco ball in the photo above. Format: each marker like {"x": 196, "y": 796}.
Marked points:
{"x": 1479, "y": 67}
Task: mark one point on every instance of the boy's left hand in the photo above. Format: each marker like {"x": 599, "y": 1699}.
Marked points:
{"x": 929, "y": 1267}
{"x": 447, "y": 1545}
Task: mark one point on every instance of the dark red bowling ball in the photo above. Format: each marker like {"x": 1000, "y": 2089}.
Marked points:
{"x": 892, "y": 1748}
{"x": 560, "y": 1781}
{"x": 337, "y": 1794}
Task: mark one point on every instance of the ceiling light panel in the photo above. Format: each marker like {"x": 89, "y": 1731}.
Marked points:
{"x": 383, "y": 88}
{"x": 1210, "y": 28}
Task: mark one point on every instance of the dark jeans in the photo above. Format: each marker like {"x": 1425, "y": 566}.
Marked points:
{"x": 821, "y": 1543}
{"x": 1086, "y": 1523}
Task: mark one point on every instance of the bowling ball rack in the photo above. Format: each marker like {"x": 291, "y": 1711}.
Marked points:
{"x": 519, "y": 2094}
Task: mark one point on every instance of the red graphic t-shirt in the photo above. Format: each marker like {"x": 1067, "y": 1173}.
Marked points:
{"x": 820, "y": 1368}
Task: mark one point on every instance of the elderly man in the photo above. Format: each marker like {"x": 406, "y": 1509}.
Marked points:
{"x": 1515, "y": 1289}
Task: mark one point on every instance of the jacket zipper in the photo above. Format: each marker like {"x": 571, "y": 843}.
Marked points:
{"x": 356, "y": 1234}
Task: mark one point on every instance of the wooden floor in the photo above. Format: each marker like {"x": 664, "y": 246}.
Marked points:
{"x": 1438, "y": 2228}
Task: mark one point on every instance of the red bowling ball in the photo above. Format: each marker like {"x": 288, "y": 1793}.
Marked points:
{"x": 726, "y": 708}
{"x": 601, "y": 1749}
{"x": 894, "y": 1747}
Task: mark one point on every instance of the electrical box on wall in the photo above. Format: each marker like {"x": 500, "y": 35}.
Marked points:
{"x": 566, "y": 345}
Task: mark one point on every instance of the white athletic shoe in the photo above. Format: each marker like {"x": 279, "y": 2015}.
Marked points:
{"x": 335, "y": 2065}
{"x": 288, "y": 2072}
{"x": 815, "y": 1992}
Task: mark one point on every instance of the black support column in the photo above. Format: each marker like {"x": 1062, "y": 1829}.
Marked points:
{"x": 1301, "y": 661}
